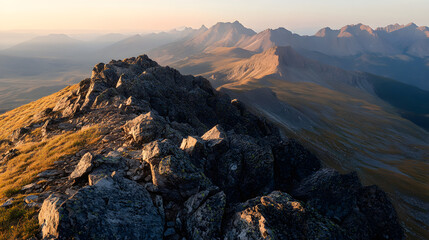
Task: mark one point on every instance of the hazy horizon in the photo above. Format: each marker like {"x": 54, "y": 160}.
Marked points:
{"x": 10, "y": 38}
{"x": 132, "y": 16}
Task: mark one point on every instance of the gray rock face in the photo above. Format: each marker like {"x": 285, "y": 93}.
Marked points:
{"x": 202, "y": 215}
{"x": 8, "y": 202}
{"x": 364, "y": 212}
{"x": 242, "y": 166}
{"x": 8, "y": 155}
{"x": 114, "y": 208}
{"x": 18, "y": 134}
{"x": 172, "y": 170}
{"x": 84, "y": 166}
{"x": 279, "y": 216}
{"x": 292, "y": 164}
{"x": 145, "y": 128}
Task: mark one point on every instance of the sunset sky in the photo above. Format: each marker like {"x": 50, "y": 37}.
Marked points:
{"x": 304, "y": 16}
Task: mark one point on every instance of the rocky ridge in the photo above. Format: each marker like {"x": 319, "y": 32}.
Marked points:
{"x": 179, "y": 160}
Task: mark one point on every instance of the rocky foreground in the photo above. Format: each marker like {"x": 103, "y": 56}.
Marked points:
{"x": 179, "y": 160}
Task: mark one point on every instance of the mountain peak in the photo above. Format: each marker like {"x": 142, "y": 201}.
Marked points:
{"x": 412, "y": 25}
{"x": 235, "y": 26}
{"x": 355, "y": 29}
{"x": 325, "y": 32}
{"x": 391, "y": 27}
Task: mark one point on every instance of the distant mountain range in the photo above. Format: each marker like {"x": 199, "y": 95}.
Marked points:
{"x": 397, "y": 51}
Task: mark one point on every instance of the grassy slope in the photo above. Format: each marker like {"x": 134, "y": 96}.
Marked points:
{"x": 412, "y": 102}
{"x": 18, "y": 221}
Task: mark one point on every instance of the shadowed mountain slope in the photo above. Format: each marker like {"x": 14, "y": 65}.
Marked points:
{"x": 351, "y": 117}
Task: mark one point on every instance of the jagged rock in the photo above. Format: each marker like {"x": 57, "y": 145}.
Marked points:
{"x": 292, "y": 164}
{"x": 44, "y": 113}
{"x": 49, "y": 173}
{"x": 157, "y": 149}
{"x": 29, "y": 186}
{"x": 84, "y": 166}
{"x": 8, "y": 203}
{"x": 30, "y": 198}
{"x": 343, "y": 199}
{"x": 109, "y": 95}
{"x": 216, "y": 133}
{"x": 242, "y": 166}
{"x": 106, "y": 166}
{"x": 45, "y": 129}
{"x": 31, "y": 201}
{"x": 114, "y": 208}
{"x": 172, "y": 170}
{"x": 279, "y": 216}
{"x": 202, "y": 215}
{"x": 136, "y": 105}
{"x": 67, "y": 105}
{"x": 145, "y": 128}
{"x": 114, "y": 154}
{"x": 194, "y": 146}
{"x": 11, "y": 153}
{"x": 216, "y": 138}
{"x": 19, "y": 133}
{"x": 380, "y": 215}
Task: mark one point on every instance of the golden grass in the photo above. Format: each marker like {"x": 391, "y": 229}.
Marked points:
{"x": 18, "y": 222}
{"x": 36, "y": 157}
{"x": 23, "y": 115}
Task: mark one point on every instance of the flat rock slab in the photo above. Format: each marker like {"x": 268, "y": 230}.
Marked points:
{"x": 49, "y": 173}
{"x": 30, "y": 198}
{"x": 84, "y": 166}
{"x": 7, "y": 203}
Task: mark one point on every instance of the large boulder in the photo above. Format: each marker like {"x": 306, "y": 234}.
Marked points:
{"x": 145, "y": 128}
{"x": 279, "y": 216}
{"x": 202, "y": 214}
{"x": 19, "y": 133}
{"x": 241, "y": 165}
{"x": 84, "y": 166}
{"x": 114, "y": 208}
{"x": 172, "y": 171}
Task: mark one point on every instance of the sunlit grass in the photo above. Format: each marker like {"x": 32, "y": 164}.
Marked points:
{"x": 18, "y": 222}
{"x": 22, "y": 116}
{"x": 36, "y": 157}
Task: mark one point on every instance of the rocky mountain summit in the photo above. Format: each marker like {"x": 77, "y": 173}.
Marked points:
{"x": 177, "y": 159}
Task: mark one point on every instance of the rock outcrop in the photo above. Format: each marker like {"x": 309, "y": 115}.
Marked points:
{"x": 113, "y": 208}
{"x": 179, "y": 160}
{"x": 279, "y": 216}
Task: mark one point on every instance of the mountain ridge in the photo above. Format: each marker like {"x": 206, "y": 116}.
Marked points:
{"x": 169, "y": 143}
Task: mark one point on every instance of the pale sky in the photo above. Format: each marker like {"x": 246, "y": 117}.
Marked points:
{"x": 302, "y": 16}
